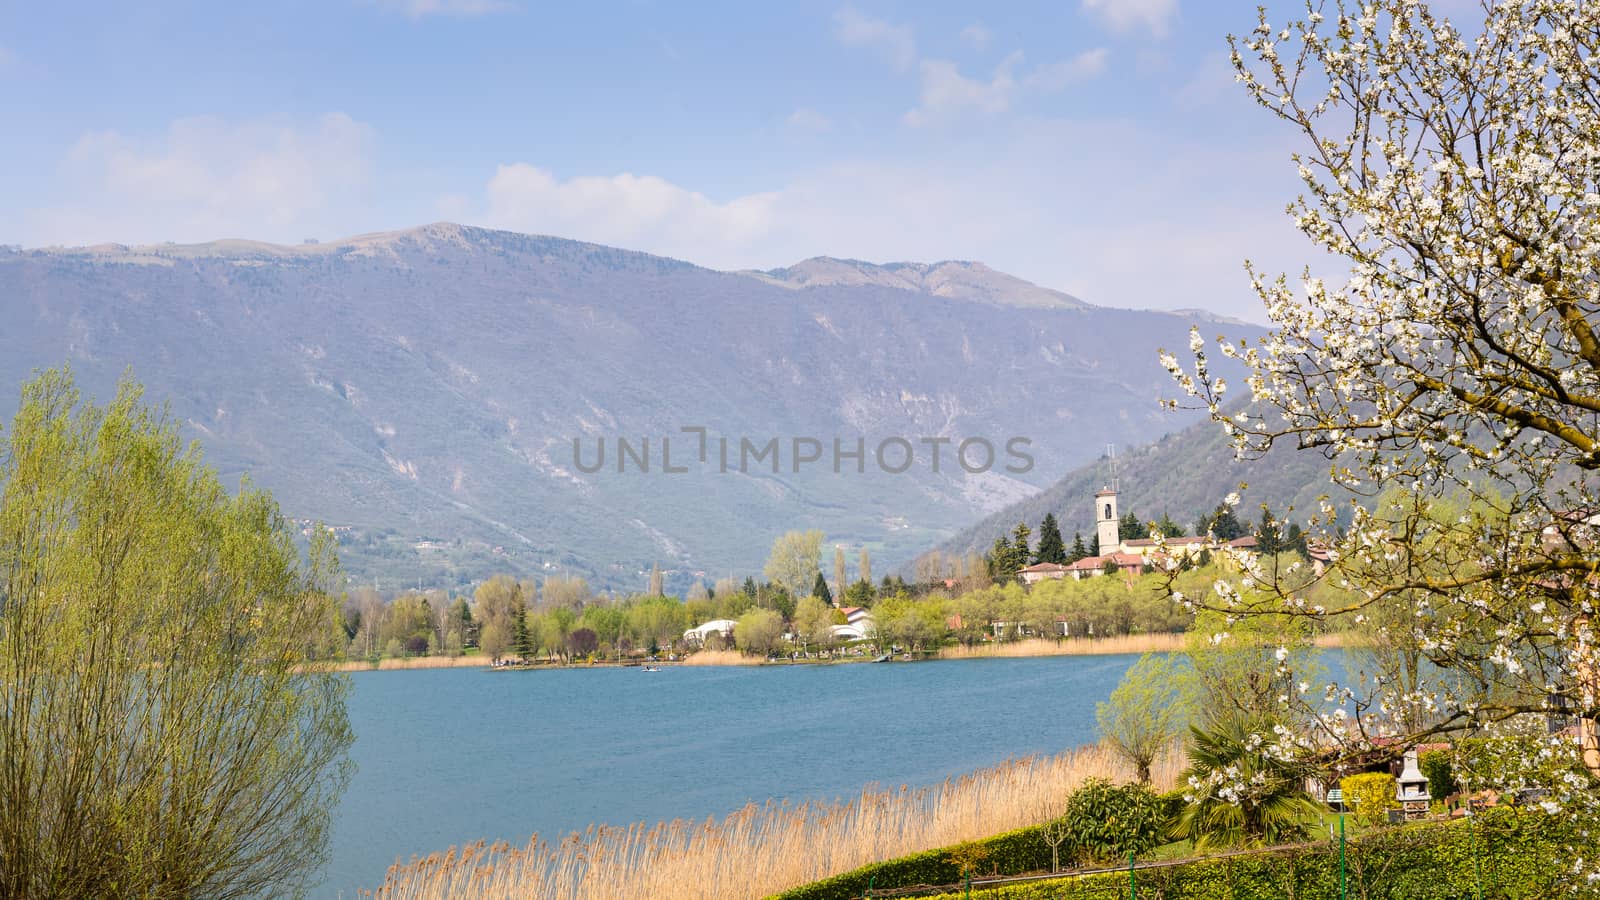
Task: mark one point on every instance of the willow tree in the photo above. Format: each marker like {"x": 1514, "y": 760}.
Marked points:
{"x": 164, "y": 728}
{"x": 1455, "y": 172}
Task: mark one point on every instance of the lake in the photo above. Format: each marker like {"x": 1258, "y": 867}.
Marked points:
{"x": 448, "y": 756}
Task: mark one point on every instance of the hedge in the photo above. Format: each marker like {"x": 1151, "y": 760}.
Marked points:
{"x": 1522, "y": 854}
{"x": 1011, "y": 853}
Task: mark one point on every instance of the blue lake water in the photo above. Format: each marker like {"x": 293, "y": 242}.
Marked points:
{"x": 448, "y": 756}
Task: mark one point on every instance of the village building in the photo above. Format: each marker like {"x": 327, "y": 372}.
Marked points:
{"x": 1044, "y": 571}
{"x": 1128, "y": 557}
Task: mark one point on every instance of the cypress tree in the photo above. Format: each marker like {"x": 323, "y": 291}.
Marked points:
{"x": 1131, "y": 528}
{"x": 1020, "y": 549}
{"x": 820, "y": 588}
{"x": 1078, "y": 551}
{"x": 1223, "y": 524}
{"x": 998, "y": 558}
{"x": 1051, "y": 548}
{"x": 1296, "y": 541}
{"x": 1269, "y": 539}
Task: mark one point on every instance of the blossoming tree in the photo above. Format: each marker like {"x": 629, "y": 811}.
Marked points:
{"x": 1452, "y": 377}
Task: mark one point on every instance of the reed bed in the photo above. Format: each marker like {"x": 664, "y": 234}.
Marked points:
{"x": 413, "y": 662}
{"x": 720, "y": 658}
{"x": 1124, "y": 643}
{"x": 760, "y": 850}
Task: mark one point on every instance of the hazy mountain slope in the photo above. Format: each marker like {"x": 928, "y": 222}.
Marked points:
{"x": 1184, "y": 475}
{"x": 956, "y": 279}
{"x": 425, "y": 388}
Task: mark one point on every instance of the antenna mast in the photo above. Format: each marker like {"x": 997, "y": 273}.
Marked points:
{"x": 1111, "y": 454}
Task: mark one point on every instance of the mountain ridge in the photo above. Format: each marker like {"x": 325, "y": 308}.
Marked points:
{"x": 428, "y": 388}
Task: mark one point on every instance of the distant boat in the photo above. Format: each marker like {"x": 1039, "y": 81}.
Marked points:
{"x": 884, "y": 658}
{"x": 651, "y": 668}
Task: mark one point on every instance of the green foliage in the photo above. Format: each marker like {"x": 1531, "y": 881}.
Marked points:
{"x": 860, "y": 593}
{"x": 967, "y": 857}
{"x": 1503, "y": 855}
{"x": 795, "y": 560}
{"x": 164, "y": 729}
{"x": 1435, "y": 766}
{"x": 1242, "y": 793}
{"x": 758, "y": 631}
{"x": 1051, "y": 548}
{"x": 1011, "y": 853}
{"x": 1147, "y": 709}
{"x": 1370, "y": 795}
{"x": 1269, "y": 533}
{"x": 1106, "y": 822}
{"x": 1131, "y": 528}
{"x": 1005, "y": 559}
{"x": 819, "y": 588}
{"x": 1079, "y": 550}
{"x": 1515, "y": 762}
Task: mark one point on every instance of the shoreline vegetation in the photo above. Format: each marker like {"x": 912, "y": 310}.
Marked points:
{"x": 763, "y": 849}
{"x": 1028, "y": 648}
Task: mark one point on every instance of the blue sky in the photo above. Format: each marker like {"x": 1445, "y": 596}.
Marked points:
{"x": 1094, "y": 146}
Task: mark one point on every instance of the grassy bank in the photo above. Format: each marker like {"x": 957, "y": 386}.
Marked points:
{"x": 761, "y": 850}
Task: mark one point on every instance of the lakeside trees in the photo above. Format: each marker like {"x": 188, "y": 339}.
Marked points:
{"x": 165, "y": 729}
{"x": 1458, "y": 359}
{"x": 793, "y": 563}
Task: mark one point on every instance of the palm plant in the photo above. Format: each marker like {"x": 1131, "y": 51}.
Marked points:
{"x": 1239, "y": 792}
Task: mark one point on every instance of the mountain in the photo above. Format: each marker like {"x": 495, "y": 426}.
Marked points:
{"x": 437, "y": 393}
{"x": 1184, "y": 475}
{"x": 956, "y": 279}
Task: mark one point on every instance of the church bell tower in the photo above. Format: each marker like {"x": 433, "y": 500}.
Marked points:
{"x": 1105, "y": 522}
{"x": 1105, "y": 510}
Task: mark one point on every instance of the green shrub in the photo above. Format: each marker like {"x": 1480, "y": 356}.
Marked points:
{"x": 1267, "y": 803}
{"x": 1435, "y": 766}
{"x": 1371, "y": 795}
{"x": 1172, "y": 804}
{"x": 1504, "y": 854}
{"x": 1106, "y": 822}
{"x": 1011, "y": 853}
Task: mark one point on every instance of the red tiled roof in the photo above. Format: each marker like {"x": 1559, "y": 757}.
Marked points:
{"x": 1093, "y": 563}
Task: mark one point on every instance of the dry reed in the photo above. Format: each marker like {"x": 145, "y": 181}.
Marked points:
{"x": 413, "y": 662}
{"x": 720, "y": 658}
{"x": 1124, "y": 643}
{"x": 760, "y": 850}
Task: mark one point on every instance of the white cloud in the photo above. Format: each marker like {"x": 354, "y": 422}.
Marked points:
{"x": 1128, "y": 15}
{"x": 1115, "y": 213}
{"x": 417, "y": 9}
{"x": 638, "y": 212}
{"x": 205, "y": 178}
{"x": 1059, "y": 75}
{"x": 895, "y": 41}
{"x": 808, "y": 121}
{"x": 977, "y": 34}
{"x": 946, "y": 93}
